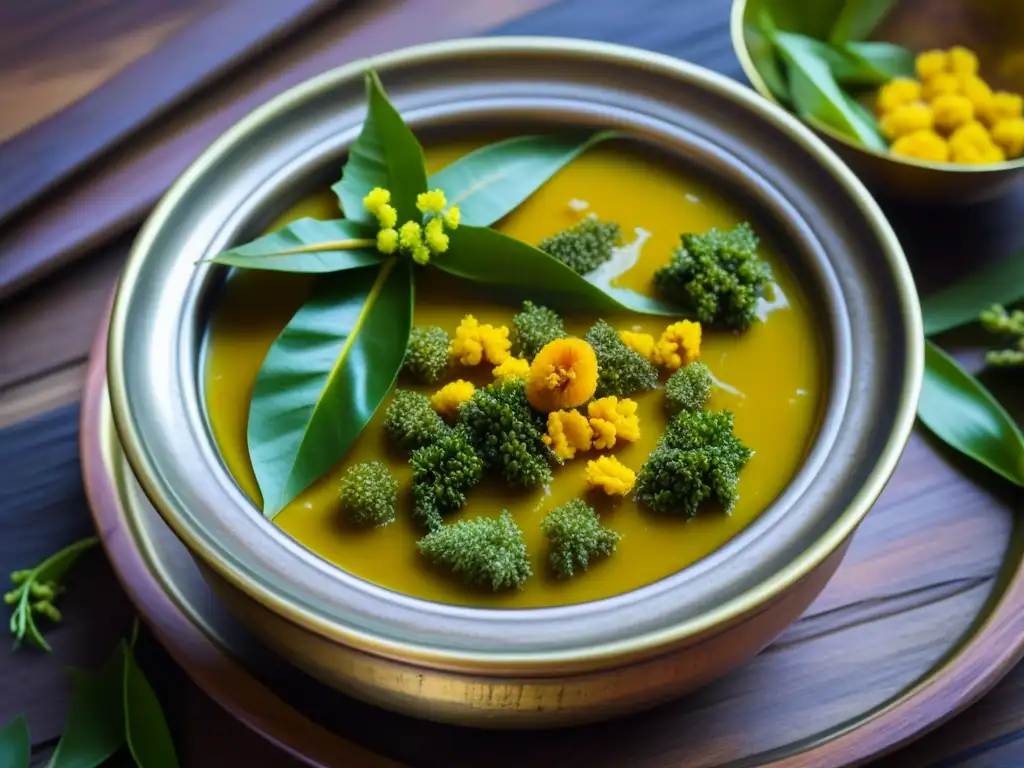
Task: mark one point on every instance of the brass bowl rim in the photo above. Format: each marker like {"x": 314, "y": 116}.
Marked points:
{"x": 637, "y": 645}
{"x": 739, "y": 46}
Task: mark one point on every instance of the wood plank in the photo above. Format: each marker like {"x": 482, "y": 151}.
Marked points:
{"x": 61, "y": 387}
{"x": 35, "y": 160}
{"x": 114, "y": 196}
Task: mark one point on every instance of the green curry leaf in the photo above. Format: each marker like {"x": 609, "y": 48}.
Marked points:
{"x": 95, "y": 727}
{"x": 15, "y": 744}
{"x": 482, "y": 255}
{"x": 386, "y": 154}
{"x": 145, "y": 727}
{"x": 491, "y": 181}
{"x": 858, "y": 19}
{"x": 760, "y": 44}
{"x": 816, "y": 93}
{"x": 961, "y": 412}
{"x": 962, "y": 302}
{"x": 305, "y": 245}
{"x": 325, "y": 375}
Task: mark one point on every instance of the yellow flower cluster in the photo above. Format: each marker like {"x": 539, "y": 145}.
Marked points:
{"x": 950, "y": 114}
{"x": 678, "y": 345}
{"x": 608, "y": 473}
{"x": 608, "y": 420}
{"x": 512, "y": 368}
{"x": 447, "y": 399}
{"x": 562, "y": 375}
{"x": 568, "y": 432}
{"x": 475, "y": 342}
{"x": 419, "y": 240}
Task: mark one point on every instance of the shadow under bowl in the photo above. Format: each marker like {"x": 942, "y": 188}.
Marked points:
{"x": 532, "y": 667}
{"x": 994, "y": 29}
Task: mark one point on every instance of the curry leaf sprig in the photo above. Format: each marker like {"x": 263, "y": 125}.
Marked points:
{"x": 35, "y": 591}
{"x": 330, "y": 368}
{"x": 954, "y": 404}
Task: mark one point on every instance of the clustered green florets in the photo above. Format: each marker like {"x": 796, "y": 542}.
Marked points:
{"x": 585, "y": 246}
{"x": 485, "y": 551}
{"x": 443, "y": 472}
{"x": 426, "y": 356}
{"x": 507, "y": 433}
{"x": 576, "y": 537}
{"x": 536, "y": 327}
{"x": 688, "y": 389}
{"x": 698, "y": 458}
{"x": 1009, "y": 325}
{"x": 411, "y": 422}
{"x": 621, "y": 372}
{"x": 717, "y": 275}
{"x": 369, "y": 493}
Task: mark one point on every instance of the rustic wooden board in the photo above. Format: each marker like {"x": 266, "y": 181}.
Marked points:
{"x": 192, "y": 44}
{"x": 936, "y": 569}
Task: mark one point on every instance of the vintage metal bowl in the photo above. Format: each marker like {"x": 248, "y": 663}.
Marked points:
{"x": 536, "y": 667}
{"x": 993, "y": 28}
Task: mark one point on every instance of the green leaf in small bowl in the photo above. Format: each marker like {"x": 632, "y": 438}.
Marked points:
{"x": 816, "y": 94}
{"x": 308, "y": 246}
{"x": 491, "y": 181}
{"x": 387, "y": 155}
{"x": 961, "y": 412}
{"x": 15, "y": 744}
{"x": 858, "y": 19}
{"x": 877, "y": 63}
{"x": 484, "y": 255}
{"x": 95, "y": 726}
{"x": 762, "y": 54}
{"x": 962, "y": 302}
{"x": 325, "y": 375}
{"x": 145, "y": 727}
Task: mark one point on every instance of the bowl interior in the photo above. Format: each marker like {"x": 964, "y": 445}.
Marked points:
{"x": 841, "y": 246}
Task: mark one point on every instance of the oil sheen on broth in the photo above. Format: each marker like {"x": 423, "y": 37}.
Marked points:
{"x": 771, "y": 377}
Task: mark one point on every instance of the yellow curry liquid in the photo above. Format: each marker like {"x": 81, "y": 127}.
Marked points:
{"x": 772, "y": 377}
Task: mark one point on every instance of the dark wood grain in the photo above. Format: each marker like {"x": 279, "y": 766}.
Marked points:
{"x": 35, "y": 160}
{"x": 115, "y": 195}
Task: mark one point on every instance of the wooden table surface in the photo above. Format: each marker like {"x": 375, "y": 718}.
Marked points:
{"x": 55, "y": 52}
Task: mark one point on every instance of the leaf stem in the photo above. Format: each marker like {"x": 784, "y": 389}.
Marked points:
{"x": 351, "y": 244}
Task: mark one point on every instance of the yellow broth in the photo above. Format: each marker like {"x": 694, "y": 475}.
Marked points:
{"x": 772, "y": 377}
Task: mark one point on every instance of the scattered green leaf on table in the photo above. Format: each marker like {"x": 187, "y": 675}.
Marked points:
{"x": 145, "y": 727}
{"x": 960, "y": 411}
{"x": 325, "y": 375}
{"x": 484, "y": 255}
{"x": 858, "y": 19}
{"x": 386, "y": 154}
{"x": 305, "y": 245}
{"x": 491, "y": 181}
{"x": 15, "y": 744}
{"x": 95, "y": 727}
{"x": 962, "y": 302}
{"x": 816, "y": 93}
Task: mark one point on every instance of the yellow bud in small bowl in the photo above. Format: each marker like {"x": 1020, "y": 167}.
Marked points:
{"x": 906, "y": 119}
{"x": 930, "y": 64}
{"x": 963, "y": 61}
{"x": 1003, "y": 107}
{"x": 896, "y": 93}
{"x": 922, "y": 145}
{"x": 939, "y": 85}
{"x": 952, "y": 110}
{"x": 1008, "y": 134}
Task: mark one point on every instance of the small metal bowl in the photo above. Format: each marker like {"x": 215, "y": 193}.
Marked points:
{"x": 536, "y": 667}
{"x": 992, "y": 28}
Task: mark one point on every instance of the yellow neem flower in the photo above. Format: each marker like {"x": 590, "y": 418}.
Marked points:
{"x": 387, "y": 216}
{"x": 922, "y": 145}
{"x": 421, "y": 254}
{"x": 929, "y": 64}
{"x": 611, "y": 475}
{"x": 375, "y": 198}
{"x": 613, "y": 419}
{"x": 431, "y": 202}
{"x": 971, "y": 145}
{"x": 1003, "y": 107}
{"x": 563, "y": 375}
{"x": 513, "y": 368}
{"x": 435, "y": 237}
{"x": 940, "y": 84}
{"x": 641, "y": 343}
{"x": 951, "y": 110}
{"x": 908, "y": 118}
{"x": 896, "y": 93}
{"x": 387, "y": 240}
{"x": 474, "y": 342}
{"x": 568, "y": 432}
{"x": 977, "y": 91}
{"x": 962, "y": 61}
{"x": 679, "y": 345}
{"x": 447, "y": 399}
{"x": 410, "y": 235}
{"x": 452, "y": 217}
{"x": 1009, "y": 135}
